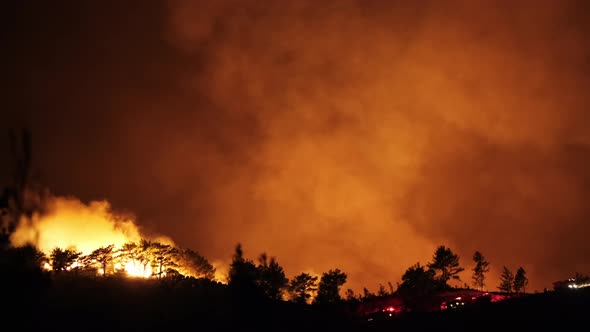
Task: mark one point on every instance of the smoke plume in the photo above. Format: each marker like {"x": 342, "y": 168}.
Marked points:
{"x": 336, "y": 134}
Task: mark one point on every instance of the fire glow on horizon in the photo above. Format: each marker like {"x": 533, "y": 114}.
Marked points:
{"x": 68, "y": 223}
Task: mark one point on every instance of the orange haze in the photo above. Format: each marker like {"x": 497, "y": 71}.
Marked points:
{"x": 331, "y": 134}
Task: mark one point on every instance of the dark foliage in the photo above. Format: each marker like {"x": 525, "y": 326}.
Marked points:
{"x": 446, "y": 262}
{"x": 329, "y": 287}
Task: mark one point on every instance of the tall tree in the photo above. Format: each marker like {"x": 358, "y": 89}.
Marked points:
{"x": 302, "y": 287}
{"x": 390, "y": 288}
{"x": 329, "y": 287}
{"x": 196, "y": 265}
{"x": 506, "y": 280}
{"x": 479, "y": 271}
{"x": 162, "y": 257}
{"x": 145, "y": 251}
{"x": 350, "y": 296}
{"x": 381, "y": 291}
{"x": 128, "y": 253}
{"x": 102, "y": 258}
{"x": 243, "y": 275}
{"x": 63, "y": 259}
{"x": 15, "y": 199}
{"x": 447, "y": 263}
{"x": 520, "y": 281}
{"x": 26, "y": 257}
{"x": 134, "y": 258}
{"x": 417, "y": 281}
{"x": 367, "y": 294}
{"x": 271, "y": 277}
{"x": 417, "y": 284}
{"x": 21, "y": 269}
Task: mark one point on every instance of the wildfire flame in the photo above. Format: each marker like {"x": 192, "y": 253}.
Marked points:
{"x": 70, "y": 224}
{"x": 137, "y": 270}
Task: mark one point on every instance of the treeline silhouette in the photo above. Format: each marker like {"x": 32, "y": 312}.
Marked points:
{"x": 66, "y": 287}
{"x": 265, "y": 279}
{"x": 151, "y": 286}
{"x": 257, "y": 295}
{"x": 144, "y": 258}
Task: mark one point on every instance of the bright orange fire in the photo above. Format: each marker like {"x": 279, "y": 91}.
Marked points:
{"x": 137, "y": 270}
{"x": 70, "y": 224}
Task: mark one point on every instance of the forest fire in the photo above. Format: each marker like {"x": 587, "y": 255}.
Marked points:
{"x": 91, "y": 238}
{"x": 69, "y": 223}
{"x": 133, "y": 269}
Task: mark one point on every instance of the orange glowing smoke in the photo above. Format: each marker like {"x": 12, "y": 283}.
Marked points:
{"x": 69, "y": 223}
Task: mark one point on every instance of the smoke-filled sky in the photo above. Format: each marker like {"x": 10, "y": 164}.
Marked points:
{"x": 331, "y": 134}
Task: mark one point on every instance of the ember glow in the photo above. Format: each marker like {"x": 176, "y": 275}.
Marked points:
{"x": 137, "y": 270}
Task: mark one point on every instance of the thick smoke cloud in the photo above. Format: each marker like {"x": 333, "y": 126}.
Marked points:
{"x": 350, "y": 134}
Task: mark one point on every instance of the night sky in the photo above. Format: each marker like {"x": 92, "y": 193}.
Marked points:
{"x": 331, "y": 134}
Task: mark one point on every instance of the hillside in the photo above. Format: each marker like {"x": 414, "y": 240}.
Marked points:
{"x": 121, "y": 304}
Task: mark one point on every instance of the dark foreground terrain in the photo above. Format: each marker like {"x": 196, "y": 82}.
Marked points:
{"x": 119, "y": 304}
{"x": 540, "y": 312}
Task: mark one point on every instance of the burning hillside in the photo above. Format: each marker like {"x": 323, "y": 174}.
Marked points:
{"x": 91, "y": 238}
